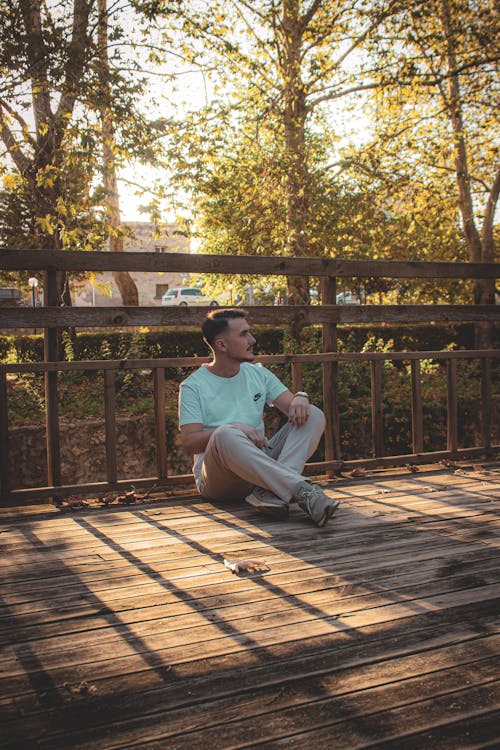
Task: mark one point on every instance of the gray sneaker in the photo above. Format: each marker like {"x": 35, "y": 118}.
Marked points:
{"x": 268, "y": 504}
{"x": 313, "y": 501}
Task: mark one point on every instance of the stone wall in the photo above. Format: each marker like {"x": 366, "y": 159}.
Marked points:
{"x": 83, "y": 452}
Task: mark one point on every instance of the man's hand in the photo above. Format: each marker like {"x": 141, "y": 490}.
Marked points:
{"x": 299, "y": 410}
{"x": 253, "y": 433}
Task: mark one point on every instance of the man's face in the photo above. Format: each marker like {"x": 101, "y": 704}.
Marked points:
{"x": 237, "y": 341}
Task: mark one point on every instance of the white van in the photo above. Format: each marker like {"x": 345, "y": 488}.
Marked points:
{"x": 186, "y": 295}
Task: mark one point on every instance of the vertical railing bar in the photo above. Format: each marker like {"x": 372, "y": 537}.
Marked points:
{"x": 486, "y": 402}
{"x": 296, "y": 377}
{"x": 110, "y": 425}
{"x": 330, "y": 375}
{"x": 4, "y": 438}
{"x": 377, "y": 412}
{"x": 452, "y": 405}
{"x": 417, "y": 426}
{"x": 50, "y": 352}
{"x": 160, "y": 430}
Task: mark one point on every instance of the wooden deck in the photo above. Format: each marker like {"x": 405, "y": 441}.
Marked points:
{"x": 123, "y": 629}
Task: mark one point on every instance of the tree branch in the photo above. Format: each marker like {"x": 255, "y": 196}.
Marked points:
{"x": 20, "y": 160}
{"x": 339, "y": 94}
{"x": 76, "y": 58}
{"x": 487, "y": 240}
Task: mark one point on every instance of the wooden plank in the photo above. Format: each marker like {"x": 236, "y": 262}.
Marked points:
{"x": 300, "y": 703}
{"x": 205, "y": 579}
{"x": 110, "y": 426}
{"x": 179, "y": 617}
{"x": 296, "y": 377}
{"x": 131, "y": 583}
{"x": 87, "y": 563}
{"x": 160, "y": 427}
{"x": 417, "y": 426}
{"x": 354, "y": 658}
{"x": 379, "y": 579}
{"x": 175, "y": 646}
{"x": 67, "y": 260}
{"x": 477, "y": 731}
{"x": 377, "y": 408}
{"x": 322, "y": 651}
{"x": 50, "y": 354}
{"x": 207, "y": 687}
{"x": 234, "y": 714}
{"x": 330, "y": 377}
{"x": 266, "y": 359}
{"x": 452, "y": 407}
{"x": 486, "y": 402}
{"x": 109, "y": 317}
{"x": 431, "y": 716}
{"x": 4, "y": 438}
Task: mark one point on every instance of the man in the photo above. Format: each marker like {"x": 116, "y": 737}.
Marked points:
{"x": 221, "y": 422}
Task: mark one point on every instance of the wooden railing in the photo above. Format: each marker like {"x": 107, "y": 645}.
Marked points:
{"x": 328, "y": 315}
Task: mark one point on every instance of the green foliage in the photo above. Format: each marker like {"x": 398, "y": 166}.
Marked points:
{"x": 188, "y": 343}
{"x": 28, "y": 348}
{"x": 5, "y": 347}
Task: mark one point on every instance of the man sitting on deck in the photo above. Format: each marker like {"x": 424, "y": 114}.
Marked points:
{"x": 221, "y": 409}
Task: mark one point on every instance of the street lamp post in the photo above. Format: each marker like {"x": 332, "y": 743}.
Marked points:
{"x": 230, "y": 287}
{"x": 33, "y": 282}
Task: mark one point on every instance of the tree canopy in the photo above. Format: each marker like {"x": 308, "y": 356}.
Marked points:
{"x": 350, "y": 128}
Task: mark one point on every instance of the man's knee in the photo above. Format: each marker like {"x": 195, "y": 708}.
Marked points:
{"x": 317, "y": 418}
{"x": 222, "y": 435}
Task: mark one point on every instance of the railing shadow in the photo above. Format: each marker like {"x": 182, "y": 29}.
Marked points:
{"x": 333, "y": 579}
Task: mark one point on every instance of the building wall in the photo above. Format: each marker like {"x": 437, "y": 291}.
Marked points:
{"x": 141, "y": 237}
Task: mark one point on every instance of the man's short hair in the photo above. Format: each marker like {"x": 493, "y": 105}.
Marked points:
{"x": 217, "y": 321}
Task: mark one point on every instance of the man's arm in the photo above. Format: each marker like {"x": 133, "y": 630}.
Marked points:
{"x": 296, "y": 408}
{"x": 194, "y": 438}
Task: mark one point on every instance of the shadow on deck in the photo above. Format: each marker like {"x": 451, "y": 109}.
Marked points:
{"x": 123, "y": 629}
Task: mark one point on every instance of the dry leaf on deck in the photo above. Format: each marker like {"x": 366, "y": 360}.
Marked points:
{"x": 248, "y": 566}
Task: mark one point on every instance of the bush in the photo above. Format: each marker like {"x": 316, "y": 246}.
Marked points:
{"x": 5, "y": 347}
{"x": 188, "y": 342}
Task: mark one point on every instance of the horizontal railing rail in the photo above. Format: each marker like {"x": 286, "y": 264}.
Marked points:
{"x": 106, "y": 317}
{"x": 72, "y": 260}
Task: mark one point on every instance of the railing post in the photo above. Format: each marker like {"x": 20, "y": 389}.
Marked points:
{"x": 486, "y": 402}
{"x": 452, "y": 406}
{"x": 4, "y": 438}
{"x": 161, "y": 437}
{"x": 377, "y": 411}
{"x": 51, "y": 398}
{"x": 330, "y": 375}
{"x": 417, "y": 428}
{"x": 110, "y": 425}
{"x": 296, "y": 376}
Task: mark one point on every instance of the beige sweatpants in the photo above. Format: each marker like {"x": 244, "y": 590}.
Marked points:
{"x": 233, "y": 464}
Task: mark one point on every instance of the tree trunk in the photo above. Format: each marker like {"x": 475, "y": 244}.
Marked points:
{"x": 125, "y": 283}
{"x": 480, "y": 246}
{"x": 294, "y": 124}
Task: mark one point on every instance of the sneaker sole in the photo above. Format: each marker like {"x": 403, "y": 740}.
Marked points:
{"x": 328, "y": 513}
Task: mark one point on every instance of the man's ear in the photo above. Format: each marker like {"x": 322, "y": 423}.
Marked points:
{"x": 220, "y": 345}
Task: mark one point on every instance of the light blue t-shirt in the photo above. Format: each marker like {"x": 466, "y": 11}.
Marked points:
{"x": 212, "y": 401}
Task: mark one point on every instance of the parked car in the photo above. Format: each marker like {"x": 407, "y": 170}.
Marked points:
{"x": 348, "y": 298}
{"x": 187, "y": 295}
{"x": 10, "y": 297}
